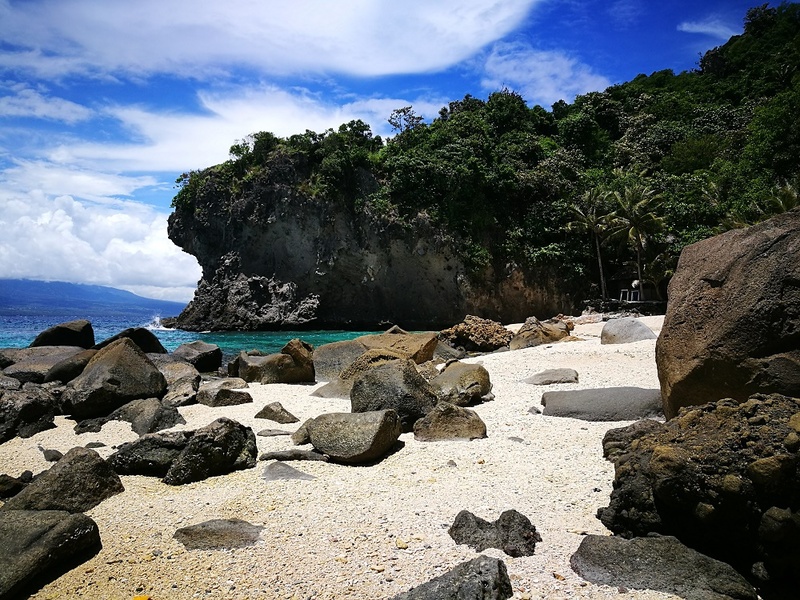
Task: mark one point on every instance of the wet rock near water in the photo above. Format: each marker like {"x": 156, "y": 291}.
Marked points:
{"x": 72, "y": 333}
{"x": 78, "y": 482}
{"x": 218, "y": 534}
{"x": 512, "y": 532}
{"x": 40, "y": 545}
{"x": 659, "y": 563}
{"x": 482, "y": 578}
{"x": 604, "y": 404}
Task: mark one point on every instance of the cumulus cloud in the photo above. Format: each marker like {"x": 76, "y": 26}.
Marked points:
{"x": 711, "y": 26}
{"x": 359, "y": 37}
{"x": 542, "y": 77}
{"x": 64, "y": 239}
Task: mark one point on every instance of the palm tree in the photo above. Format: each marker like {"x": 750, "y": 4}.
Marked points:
{"x": 635, "y": 219}
{"x": 589, "y": 216}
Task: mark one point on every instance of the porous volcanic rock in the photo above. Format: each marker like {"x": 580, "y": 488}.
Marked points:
{"x": 512, "y": 532}
{"x": 535, "y": 333}
{"x": 732, "y": 322}
{"x": 146, "y": 415}
{"x": 482, "y": 578}
{"x": 722, "y": 478}
{"x": 72, "y": 333}
{"x": 475, "y": 334}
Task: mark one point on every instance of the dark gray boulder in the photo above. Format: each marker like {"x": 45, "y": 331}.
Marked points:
{"x": 355, "y": 438}
{"x": 78, "y": 482}
{"x": 72, "y": 333}
{"x": 145, "y": 339}
{"x": 395, "y": 385}
{"x": 449, "y": 422}
{"x": 625, "y": 330}
{"x": 204, "y": 357}
{"x": 146, "y": 415}
{"x": 33, "y": 364}
{"x": 294, "y": 454}
{"x": 278, "y": 471}
{"x": 223, "y": 392}
{"x": 659, "y": 563}
{"x": 732, "y": 322}
{"x": 535, "y": 333}
{"x": 40, "y": 545}
{"x": 339, "y": 387}
{"x": 220, "y": 447}
{"x": 26, "y": 412}
{"x": 70, "y": 367}
{"x": 9, "y": 383}
{"x": 11, "y": 486}
{"x": 463, "y": 384}
{"x": 331, "y": 359}
{"x": 151, "y": 455}
{"x": 117, "y": 374}
{"x": 482, "y": 578}
{"x": 512, "y": 532}
{"x": 604, "y": 404}
{"x": 553, "y": 376}
{"x": 183, "y": 380}
{"x": 218, "y": 534}
{"x": 276, "y": 412}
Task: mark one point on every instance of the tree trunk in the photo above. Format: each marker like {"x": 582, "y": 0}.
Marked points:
{"x": 603, "y": 288}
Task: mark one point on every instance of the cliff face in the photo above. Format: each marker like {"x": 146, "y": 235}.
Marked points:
{"x": 274, "y": 257}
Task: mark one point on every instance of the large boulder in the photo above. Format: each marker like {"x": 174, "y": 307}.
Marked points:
{"x": 39, "y": 545}
{"x": 394, "y": 385}
{"x": 70, "y": 367}
{"x": 117, "y": 374}
{"x": 152, "y": 454}
{"x": 474, "y": 334}
{"x": 449, "y": 422}
{"x": 418, "y": 347}
{"x": 331, "y": 359}
{"x": 512, "y": 532}
{"x": 220, "y": 447}
{"x": 72, "y": 333}
{"x": 733, "y": 317}
{"x": 223, "y": 392}
{"x": 354, "y": 438}
{"x": 183, "y": 380}
{"x": 147, "y": 341}
{"x": 722, "y": 478}
{"x": 293, "y": 364}
{"x": 658, "y": 563}
{"x": 26, "y": 412}
{"x": 482, "y": 578}
{"x": 33, "y": 364}
{"x": 625, "y": 330}
{"x": 340, "y": 386}
{"x": 78, "y": 482}
{"x": 205, "y": 357}
{"x": 604, "y": 404}
{"x": 463, "y": 384}
{"x": 535, "y": 333}
{"x": 146, "y": 415}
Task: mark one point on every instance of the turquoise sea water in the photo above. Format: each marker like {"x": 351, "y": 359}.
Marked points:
{"x": 20, "y": 331}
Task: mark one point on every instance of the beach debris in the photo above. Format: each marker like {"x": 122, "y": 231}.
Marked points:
{"x": 463, "y": 384}
{"x": 553, "y": 376}
{"x": 276, "y": 412}
{"x": 625, "y": 330}
{"x": 449, "y": 422}
{"x": 78, "y": 482}
{"x": 512, "y": 532}
{"x": 395, "y": 385}
{"x": 732, "y": 322}
{"x": 483, "y": 578}
{"x": 604, "y": 404}
{"x": 535, "y": 333}
{"x": 660, "y": 563}
{"x": 218, "y": 534}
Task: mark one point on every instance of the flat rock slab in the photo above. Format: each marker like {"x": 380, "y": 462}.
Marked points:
{"x": 273, "y": 432}
{"x": 218, "y": 534}
{"x": 482, "y": 578}
{"x": 553, "y": 376}
{"x": 658, "y": 563}
{"x": 604, "y": 404}
{"x": 294, "y": 454}
{"x": 280, "y": 470}
{"x": 40, "y": 545}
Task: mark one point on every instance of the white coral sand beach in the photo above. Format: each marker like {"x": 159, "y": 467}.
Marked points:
{"x": 366, "y": 532}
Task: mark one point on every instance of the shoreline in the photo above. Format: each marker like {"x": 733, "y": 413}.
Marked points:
{"x": 342, "y": 534}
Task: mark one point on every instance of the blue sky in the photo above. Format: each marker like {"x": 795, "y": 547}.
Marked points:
{"x": 104, "y": 103}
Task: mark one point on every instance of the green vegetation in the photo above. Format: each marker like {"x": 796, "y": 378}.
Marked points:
{"x": 617, "y": 182}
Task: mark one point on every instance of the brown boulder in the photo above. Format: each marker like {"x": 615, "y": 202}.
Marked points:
{"x": 535, "y": 333}
{"x": 419, "y": 347}
{"x": 477, "y": 335}
{"x": 733, "y": 317}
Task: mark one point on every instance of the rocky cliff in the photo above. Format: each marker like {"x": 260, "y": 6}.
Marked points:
{"x": 276, "y": 256}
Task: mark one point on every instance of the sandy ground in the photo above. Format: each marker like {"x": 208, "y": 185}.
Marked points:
{"x": 366, "y": 532}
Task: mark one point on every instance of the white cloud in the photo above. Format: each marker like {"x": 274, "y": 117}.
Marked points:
{"x": 359, "y": 37}
{"x": 711, "y": 26}
{"x": 24, "y": 101}
{"x": 542, "y": 77}
{"x": 63, "y": 239}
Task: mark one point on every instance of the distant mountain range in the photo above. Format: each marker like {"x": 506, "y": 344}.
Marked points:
{"x": 39, "y": 298}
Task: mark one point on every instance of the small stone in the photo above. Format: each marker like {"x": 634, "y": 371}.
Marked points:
{"x": 400, "y": 544}
{"x": 378, "y": 568}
